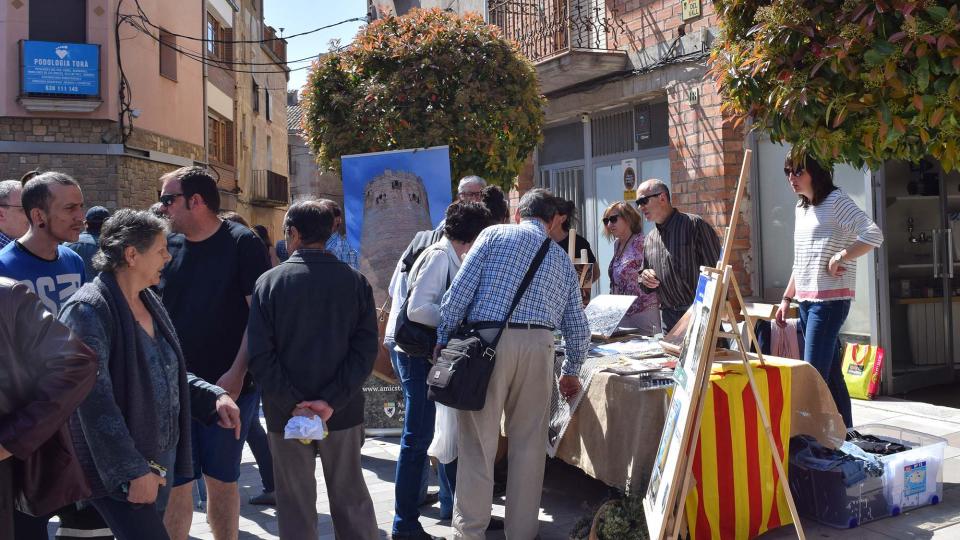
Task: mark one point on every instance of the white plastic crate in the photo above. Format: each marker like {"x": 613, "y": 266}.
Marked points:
{"x": 912, "y": 478}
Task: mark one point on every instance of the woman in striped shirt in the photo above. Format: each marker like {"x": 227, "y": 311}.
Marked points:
{"x": 830, "y": 233}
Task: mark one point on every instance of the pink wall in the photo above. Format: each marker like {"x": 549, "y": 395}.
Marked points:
{"x": 173, "y": 109}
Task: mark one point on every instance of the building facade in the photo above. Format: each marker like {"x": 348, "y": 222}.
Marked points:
{"x": 307, "y": 179}
{"x": 112, "y": 103}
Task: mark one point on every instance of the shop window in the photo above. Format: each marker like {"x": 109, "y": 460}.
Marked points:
{"x": 58, "y": 20}
{"x": 168, "y": 55}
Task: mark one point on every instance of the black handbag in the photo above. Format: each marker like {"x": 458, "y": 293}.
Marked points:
{"x": 413, "y": 338}
{"x": 460, "y": 377}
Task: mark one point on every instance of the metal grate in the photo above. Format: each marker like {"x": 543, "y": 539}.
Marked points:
{"x": 612, "y": 133}
{"x": 568, "y": 184}
{"x": 545, "y": 28}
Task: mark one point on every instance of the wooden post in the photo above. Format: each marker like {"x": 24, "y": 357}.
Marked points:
{"x": 571, "y": 244}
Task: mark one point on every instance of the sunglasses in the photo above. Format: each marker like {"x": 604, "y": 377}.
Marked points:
{"x": 788, "y": 172}
{"x": 642, "y": 201}
{"x": 168, "y": 199}
{"x": 612, "y": 218}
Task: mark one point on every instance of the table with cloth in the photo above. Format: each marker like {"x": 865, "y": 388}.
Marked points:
{"x": 614, "y": 431}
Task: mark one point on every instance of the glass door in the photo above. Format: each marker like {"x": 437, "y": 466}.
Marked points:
{"x": 922, "y": 264}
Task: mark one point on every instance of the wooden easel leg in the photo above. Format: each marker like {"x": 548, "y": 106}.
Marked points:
{"x": 747, "y": 320}
{"x": 781, "y": 472}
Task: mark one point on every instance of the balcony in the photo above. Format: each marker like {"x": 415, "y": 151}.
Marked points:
{"x": 270, "y": 188}
{"x": 569, "y": 41}
{"x": 275, "y": 47}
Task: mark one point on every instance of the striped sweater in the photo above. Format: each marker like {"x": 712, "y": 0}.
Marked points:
{"x": 821, "y": 231}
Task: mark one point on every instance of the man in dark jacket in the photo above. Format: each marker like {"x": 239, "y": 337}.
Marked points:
{"x": 312, "y": 338}
{"x": 45, "y": 372}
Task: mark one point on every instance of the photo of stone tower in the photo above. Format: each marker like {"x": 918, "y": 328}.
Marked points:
{"x": 395, "y": 208}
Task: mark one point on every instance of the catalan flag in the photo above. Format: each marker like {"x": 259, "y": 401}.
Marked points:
{"x": 736, "y": 493}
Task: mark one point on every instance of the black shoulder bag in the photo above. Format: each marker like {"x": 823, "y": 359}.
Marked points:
{"x": 413, "y": 338}
{"x": 462, "y": 373}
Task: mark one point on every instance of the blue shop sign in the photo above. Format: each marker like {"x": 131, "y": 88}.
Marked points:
{"x": 60, "y": 68}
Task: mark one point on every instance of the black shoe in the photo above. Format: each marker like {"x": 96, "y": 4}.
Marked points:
{"x": 267, "y": 498}
{"x": 431, "y": 498}
{"x": 419, "y": 535}
{"x": 496, "y": 524}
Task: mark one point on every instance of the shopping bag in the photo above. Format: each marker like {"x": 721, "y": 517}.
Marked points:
{"x": 861, "y": 370}
{"x": 445, "y": 435}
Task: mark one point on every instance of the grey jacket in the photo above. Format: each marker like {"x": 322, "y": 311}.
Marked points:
{"x": 115, "y": 429}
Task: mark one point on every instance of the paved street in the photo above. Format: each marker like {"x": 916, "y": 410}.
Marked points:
{"x": 569, "y": 494}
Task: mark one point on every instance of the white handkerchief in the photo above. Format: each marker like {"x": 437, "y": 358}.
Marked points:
{"x": 305, "y": 429}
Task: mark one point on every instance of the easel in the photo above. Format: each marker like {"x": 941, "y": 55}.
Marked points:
{"x": 676, "y": 521}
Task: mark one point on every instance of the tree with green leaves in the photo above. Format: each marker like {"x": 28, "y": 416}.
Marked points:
{"x": 849, "y": 81}
{"x": 428, "y": 78}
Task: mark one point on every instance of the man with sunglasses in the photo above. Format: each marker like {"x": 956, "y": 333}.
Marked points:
{"x": 673, "y": 251}
{"x": 13, "y": 220}
{"x": 206, "y": 288}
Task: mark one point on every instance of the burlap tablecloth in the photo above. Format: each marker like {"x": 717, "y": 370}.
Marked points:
{"x": 614, "y": 432}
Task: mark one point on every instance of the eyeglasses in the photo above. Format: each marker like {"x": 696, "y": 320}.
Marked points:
{"x": 611, "y": 219}
{"x": 788, "y": 172}
{"x": 642, "y": 201}
{"x": 168, "y": 199}
{"x": 474, "y": 195}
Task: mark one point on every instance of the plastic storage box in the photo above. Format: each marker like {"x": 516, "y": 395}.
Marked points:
{"x": 910, "y": 479}
{"x": 913, "y": 478}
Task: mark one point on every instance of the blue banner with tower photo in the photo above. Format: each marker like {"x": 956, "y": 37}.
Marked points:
{"x": 388, "y": 197}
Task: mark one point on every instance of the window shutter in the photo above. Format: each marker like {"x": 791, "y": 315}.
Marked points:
{"x": 228, "y": 143}
{"x": 228, "y": 44}
{"x": 168, "y": 55}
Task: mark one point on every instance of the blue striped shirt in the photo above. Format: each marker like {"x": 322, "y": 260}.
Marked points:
{"x": 491, "y": 275}
{"x": 338, "y": 245}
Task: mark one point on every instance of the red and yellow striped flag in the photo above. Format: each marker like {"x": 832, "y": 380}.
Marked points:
{"x": 736, "y": 492}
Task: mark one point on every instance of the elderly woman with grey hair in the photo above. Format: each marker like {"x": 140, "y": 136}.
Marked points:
{"x": 133, "y": 430}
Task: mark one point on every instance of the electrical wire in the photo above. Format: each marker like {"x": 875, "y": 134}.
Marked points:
{"x": 146, "y": 19}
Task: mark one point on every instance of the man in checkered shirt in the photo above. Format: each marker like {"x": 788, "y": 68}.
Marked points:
{"x": 521, "y": 386}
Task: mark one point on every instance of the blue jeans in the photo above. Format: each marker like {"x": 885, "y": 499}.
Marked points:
{"x": 820, "y": 323}
{"x": 448, "y": 486}
{"x": 418, "y": 425}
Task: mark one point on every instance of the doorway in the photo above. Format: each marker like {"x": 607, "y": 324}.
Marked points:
{"x": 921, "y": 222}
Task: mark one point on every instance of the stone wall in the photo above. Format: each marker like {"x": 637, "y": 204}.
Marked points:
{"x": 75, "y": 130}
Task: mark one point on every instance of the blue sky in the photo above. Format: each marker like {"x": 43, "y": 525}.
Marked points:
{"x": 296, "y": 16}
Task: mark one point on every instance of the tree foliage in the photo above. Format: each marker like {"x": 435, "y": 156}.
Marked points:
{"x": 428, "y": 78}
{"x": 849, "y": 81}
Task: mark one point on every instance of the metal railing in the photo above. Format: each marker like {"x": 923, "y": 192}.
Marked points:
{"x": 546, "y": 28}
{"x": 270, "y": 187}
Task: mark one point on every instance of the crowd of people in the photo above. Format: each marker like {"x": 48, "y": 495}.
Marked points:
{"x": 139, "y": 346}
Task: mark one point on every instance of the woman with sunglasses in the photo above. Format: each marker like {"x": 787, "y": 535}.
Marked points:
{"x": 623, "y": 223}
{"x": 830, "y": 233}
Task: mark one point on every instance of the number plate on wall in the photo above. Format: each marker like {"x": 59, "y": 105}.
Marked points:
{"x": 689, "y": 9}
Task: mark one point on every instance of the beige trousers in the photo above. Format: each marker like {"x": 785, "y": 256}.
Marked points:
{"x": 520, "y": 389}
{"x": 294, "y": 467}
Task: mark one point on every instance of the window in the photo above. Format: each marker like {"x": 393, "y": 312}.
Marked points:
{"x": 266, "y": 103}
{"x": 168, "y": 55}
{"x": 269, "y": 153}
{"x": 58, "y": 20}
{"x": 256, "y": 96}
{"x": 219, "y": 40}
{"x": 220, "y": 140}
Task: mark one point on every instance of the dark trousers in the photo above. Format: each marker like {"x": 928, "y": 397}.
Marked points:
{"x": 257, "y": 439}
{"x": 6, "y": 498}
{"x": 132, "y": 521}
{"x": 821, "y": 322}
{"x": 670, "y": 316}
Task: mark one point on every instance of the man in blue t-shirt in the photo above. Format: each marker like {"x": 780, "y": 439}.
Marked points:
{"x": 53, "y": 204}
